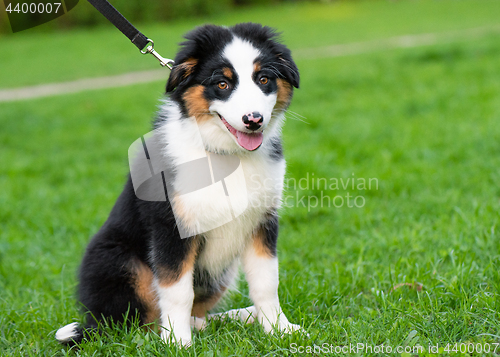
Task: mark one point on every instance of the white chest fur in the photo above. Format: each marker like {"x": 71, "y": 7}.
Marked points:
{"x": 263, "y": 183}
{"x": 227, "y": 212}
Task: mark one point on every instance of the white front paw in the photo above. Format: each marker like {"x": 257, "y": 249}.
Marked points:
{"x": 199, "y": 323}
{"x": 278, "y": 324}
{"x": 265, "y": 323}
{"x": 284, "y": 327}
{"x": 291, "y": 328}
{"x": 181, "y": 339}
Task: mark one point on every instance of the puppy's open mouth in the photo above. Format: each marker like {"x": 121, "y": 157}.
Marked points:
{"x": 249, "y": 141}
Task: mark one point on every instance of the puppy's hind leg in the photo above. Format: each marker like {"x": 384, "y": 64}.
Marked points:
{"x": 106, "y": 289}
{"x": 247, "y": 315}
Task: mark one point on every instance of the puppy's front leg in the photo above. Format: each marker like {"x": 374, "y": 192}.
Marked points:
{"x": 173, "y": 266}
{"x": 176, "y": 301}
{"x": 260, "y": 263}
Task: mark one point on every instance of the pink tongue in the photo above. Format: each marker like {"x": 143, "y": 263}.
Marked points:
{"x": 249, "y": 141}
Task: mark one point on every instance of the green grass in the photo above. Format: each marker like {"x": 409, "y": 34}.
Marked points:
{"x": 423, "y": 122}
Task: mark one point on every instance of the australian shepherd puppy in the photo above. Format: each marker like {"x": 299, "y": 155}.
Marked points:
{"x": 216, "y": 151}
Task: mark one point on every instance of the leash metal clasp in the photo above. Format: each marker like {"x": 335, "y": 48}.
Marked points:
{"x": 165, "y": 62}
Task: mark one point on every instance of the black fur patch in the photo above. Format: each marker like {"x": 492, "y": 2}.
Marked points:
{"x": 277, "y": 149}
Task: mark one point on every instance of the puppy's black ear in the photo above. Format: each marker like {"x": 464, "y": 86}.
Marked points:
{"x": 180, "y": 73}
{"x": 288, "y": 68}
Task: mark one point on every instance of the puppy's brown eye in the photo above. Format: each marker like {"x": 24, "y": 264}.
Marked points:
{"x": 223, "y": 85}
{"x": 263, "y": 80}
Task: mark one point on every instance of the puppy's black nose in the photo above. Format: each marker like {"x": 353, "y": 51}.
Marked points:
{"x": 253, "y": 121}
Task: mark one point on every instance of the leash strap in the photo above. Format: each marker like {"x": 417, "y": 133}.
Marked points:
{"x": 144, "y": 44}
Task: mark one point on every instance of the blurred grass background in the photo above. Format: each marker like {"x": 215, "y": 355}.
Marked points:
{"x": 102, "y": 50}
{"x": 423, "y": 121}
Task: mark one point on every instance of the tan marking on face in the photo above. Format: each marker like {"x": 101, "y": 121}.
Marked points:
{"x": 142, "y": 277}
{"x": 261, "y": 249}
{"x": 257, "y": 67}
{"x": 284, "y": 96}
{"x": 196, "y": 104}
{"x": 167, "y": 277}
{"x": 200, "y": 309}
{"x": 227, "y": 73}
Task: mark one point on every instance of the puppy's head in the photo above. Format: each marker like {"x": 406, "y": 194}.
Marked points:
{"x": 236, "y": 82}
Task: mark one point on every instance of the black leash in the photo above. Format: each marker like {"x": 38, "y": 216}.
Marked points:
{"x": 144, "y": 44}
